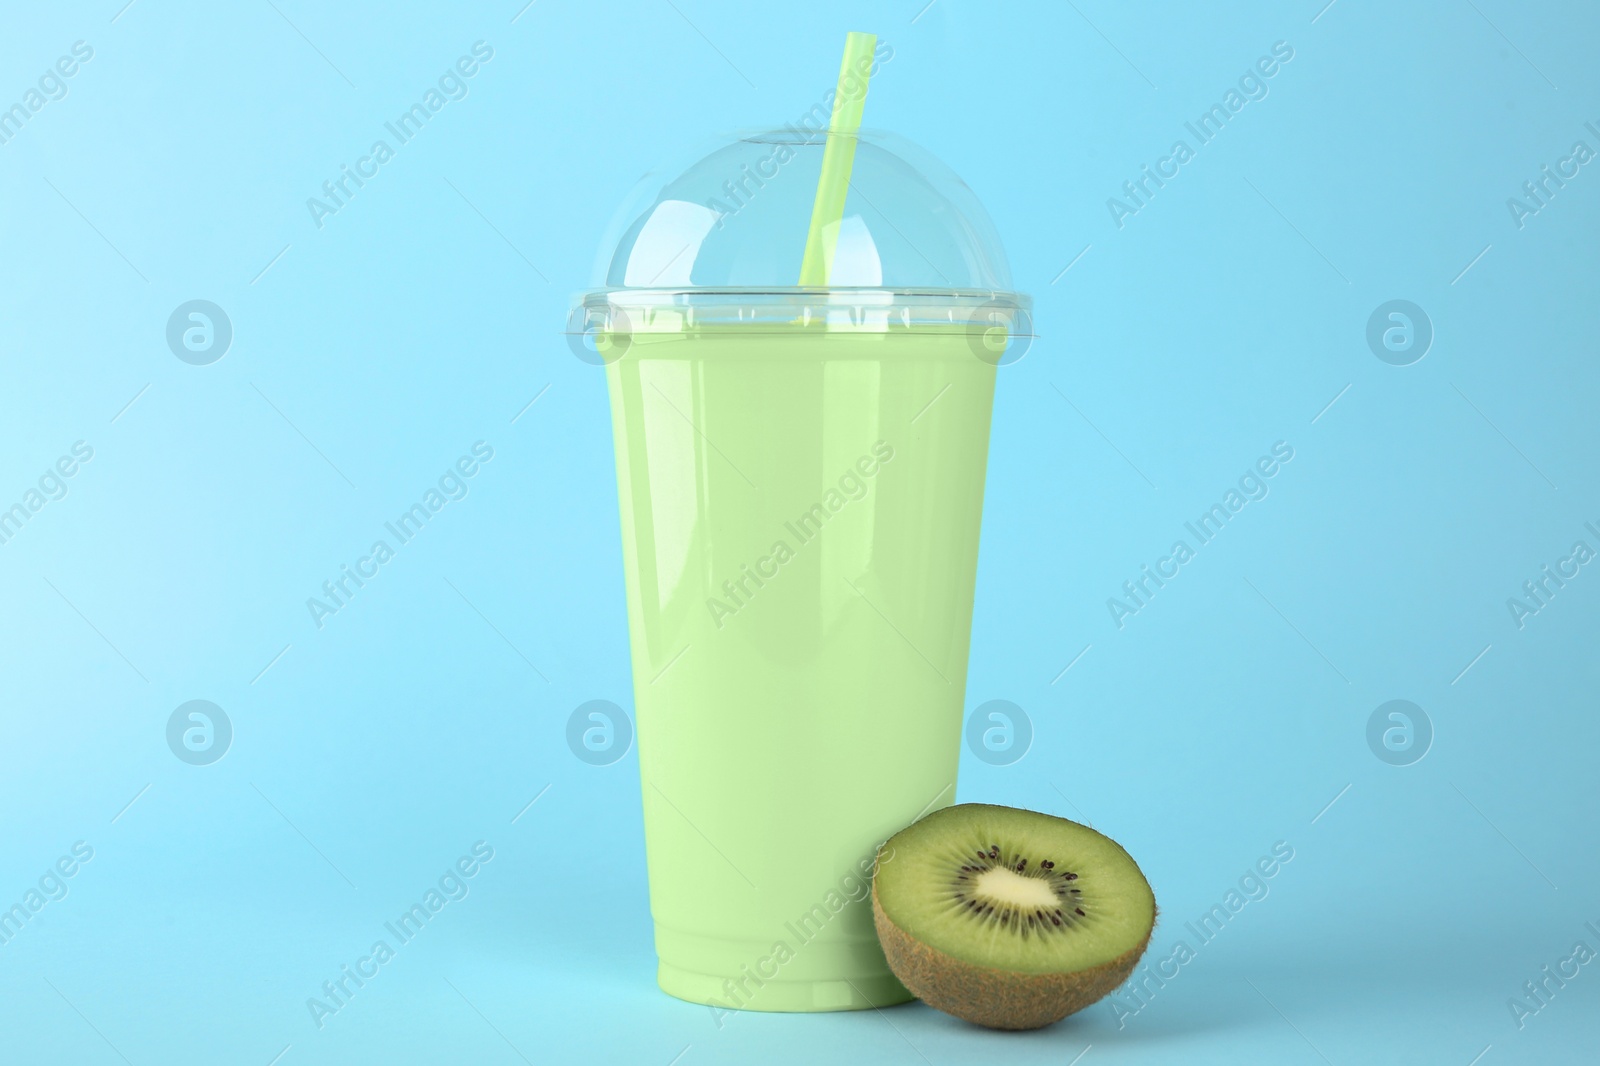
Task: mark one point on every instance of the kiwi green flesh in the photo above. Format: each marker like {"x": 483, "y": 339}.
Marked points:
{"x": 1016, "y": 891}
{"x": 999, "y": 999}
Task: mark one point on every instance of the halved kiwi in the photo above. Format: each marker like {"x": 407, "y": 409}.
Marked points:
{"x": 1009, "y": 918}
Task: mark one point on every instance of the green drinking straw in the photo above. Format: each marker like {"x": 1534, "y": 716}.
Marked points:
{"x": 838, "y": 155}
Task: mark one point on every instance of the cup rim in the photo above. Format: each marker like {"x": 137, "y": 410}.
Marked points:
{"x": 784, "y": 309}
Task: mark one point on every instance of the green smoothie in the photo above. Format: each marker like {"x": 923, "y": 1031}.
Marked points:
{"x": 800, "y": 513}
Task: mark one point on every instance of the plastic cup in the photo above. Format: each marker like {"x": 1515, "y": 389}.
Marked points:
{"x": 800, "y": 478}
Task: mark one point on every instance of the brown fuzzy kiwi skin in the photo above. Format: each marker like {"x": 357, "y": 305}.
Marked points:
{"x": 997, "y": 999}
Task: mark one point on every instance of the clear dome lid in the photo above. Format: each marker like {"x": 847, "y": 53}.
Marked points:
{"x": 722, "y": 242}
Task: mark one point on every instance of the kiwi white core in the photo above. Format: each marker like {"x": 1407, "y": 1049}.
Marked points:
{"x": 1001, "y": 885}
{"x": 1014, "y": 890}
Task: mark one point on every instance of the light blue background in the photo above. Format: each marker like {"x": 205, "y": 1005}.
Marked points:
{"x": 370, "y": 354}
